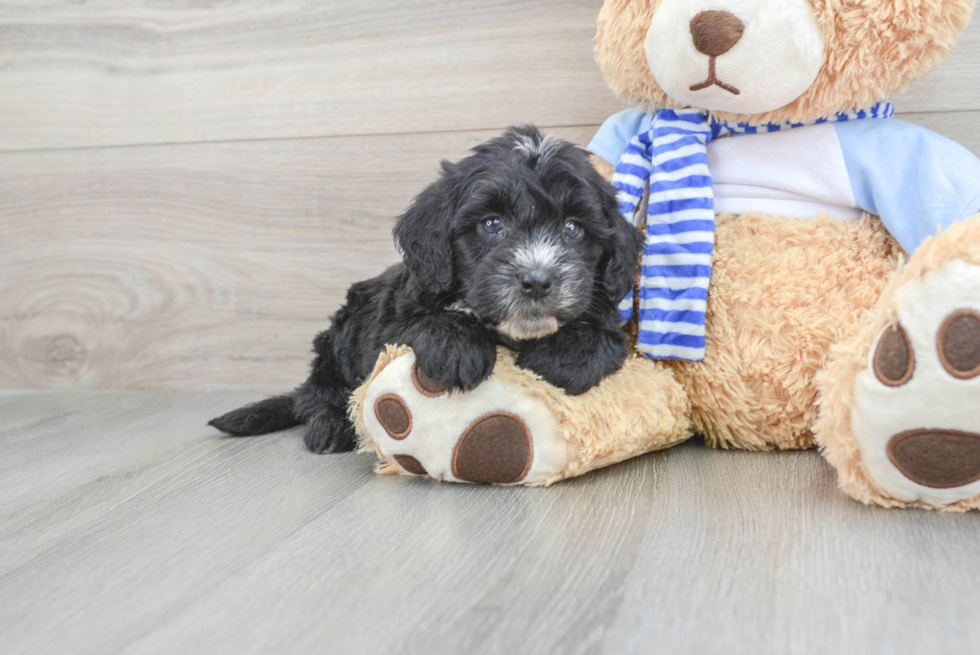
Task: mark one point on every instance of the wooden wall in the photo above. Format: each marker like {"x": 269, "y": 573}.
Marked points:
{"x": 187, "y": 188}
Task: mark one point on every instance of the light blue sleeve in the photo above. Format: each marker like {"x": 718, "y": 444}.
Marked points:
{"x": 916, "y": 180}
{"x": 616, "y": 133}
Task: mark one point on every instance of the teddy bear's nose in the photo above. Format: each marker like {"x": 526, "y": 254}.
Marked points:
{"x": 716, "y": 32}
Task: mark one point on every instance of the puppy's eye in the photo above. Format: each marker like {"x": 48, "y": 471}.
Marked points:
{"x": 573, "y": 231}
{"x": 492, "y": 226}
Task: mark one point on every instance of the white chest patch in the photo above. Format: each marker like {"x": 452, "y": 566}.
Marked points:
{"x": 797, "y": 173}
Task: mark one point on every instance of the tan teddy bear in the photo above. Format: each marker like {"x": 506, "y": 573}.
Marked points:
{"x": 811, "y": 274}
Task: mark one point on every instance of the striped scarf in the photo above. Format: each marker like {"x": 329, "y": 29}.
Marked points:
{"x": 672, "y": 156}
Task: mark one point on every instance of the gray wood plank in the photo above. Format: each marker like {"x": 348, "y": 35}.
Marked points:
{"x": 261, "y": 547}
{"x": 139, "y": 565}
{"x": 123, "y": 72}
{"x": 66, "y": 458}
{"x": 196, "y": 266}
{"x": 209, "y": 266}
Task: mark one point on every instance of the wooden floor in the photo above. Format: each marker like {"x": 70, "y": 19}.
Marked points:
{"x": 126, "y": 526}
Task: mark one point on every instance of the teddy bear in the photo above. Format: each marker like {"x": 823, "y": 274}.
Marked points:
{"x": 811, "y": 273}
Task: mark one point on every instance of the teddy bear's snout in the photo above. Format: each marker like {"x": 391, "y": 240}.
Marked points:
{"x": 716, "y": 32}
{"x": 739, "y": 56}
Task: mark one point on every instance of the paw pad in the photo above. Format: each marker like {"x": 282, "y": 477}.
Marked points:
{"x": 939, "y": 459}
{"x": 393, "y": 416}
{"x": 894, "y": 361}
{"x": 410, "y": 464}
{"x": 426, "y": 385}
{"x": 959, "y": 344}
{"x": 496, "y": 433}
{"x": 496, "y": 448}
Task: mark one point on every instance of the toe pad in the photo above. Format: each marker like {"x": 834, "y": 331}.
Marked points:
{"x": 393, "y": 416}
{"x": 496, "y": 448}
{"x": 959, "y": 344}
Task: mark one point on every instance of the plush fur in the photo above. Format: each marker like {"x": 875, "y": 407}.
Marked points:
{"x": 770, "y": 325}
{"x": 795, "y": 306}
{"x": 600, "y": 428}
{"x": 520, "y": 244}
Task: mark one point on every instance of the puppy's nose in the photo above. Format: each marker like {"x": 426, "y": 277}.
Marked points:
{"x": 716, "y": 32}
{"x": 536, "y": 284}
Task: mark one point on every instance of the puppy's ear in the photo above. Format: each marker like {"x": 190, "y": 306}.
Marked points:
{"x": 623, "y": 249}
{"x": 424, "y": 234}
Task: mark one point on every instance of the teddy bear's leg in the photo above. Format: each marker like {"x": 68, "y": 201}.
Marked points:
{"x": 900, "y": 400}
{"x": 514, "y": 428}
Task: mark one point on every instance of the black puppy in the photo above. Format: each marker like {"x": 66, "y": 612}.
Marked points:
{"x": 520, "y": 244}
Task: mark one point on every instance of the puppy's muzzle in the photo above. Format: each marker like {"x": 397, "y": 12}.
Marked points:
{"x": 535, "y": 290}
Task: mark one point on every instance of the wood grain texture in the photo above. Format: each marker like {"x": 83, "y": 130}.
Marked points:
{"x": 209, "y": 266}
{"x": 123, "y": 72}
{"x": 128, "y": 527}
{"x": 196, "y": 266}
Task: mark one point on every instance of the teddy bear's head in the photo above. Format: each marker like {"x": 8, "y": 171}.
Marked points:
{"x": 772, "y": 60}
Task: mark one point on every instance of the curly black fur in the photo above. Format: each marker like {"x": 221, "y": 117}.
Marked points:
{"x": 520, "y": 244}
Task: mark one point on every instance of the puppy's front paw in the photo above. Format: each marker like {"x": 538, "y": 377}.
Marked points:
{"x": 329, "y": 431}
{"x": 462, "y": 363}
{"x": 576, "y": 358}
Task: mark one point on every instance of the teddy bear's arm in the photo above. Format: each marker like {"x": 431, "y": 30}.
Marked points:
{"x": 917, "y": 181}
{"x": 612, "y": 138}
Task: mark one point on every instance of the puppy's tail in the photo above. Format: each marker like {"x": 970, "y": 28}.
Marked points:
{"x": 269, "y": 415}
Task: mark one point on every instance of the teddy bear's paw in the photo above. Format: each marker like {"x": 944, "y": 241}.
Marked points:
{"x": 916, "y": 407}
{"x": 494, "y": 434}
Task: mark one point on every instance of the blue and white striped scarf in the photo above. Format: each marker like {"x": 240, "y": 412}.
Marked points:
{"x": 672, "y": 156}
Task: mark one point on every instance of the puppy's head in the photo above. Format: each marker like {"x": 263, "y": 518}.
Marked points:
{"x": 523, "y": 232}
